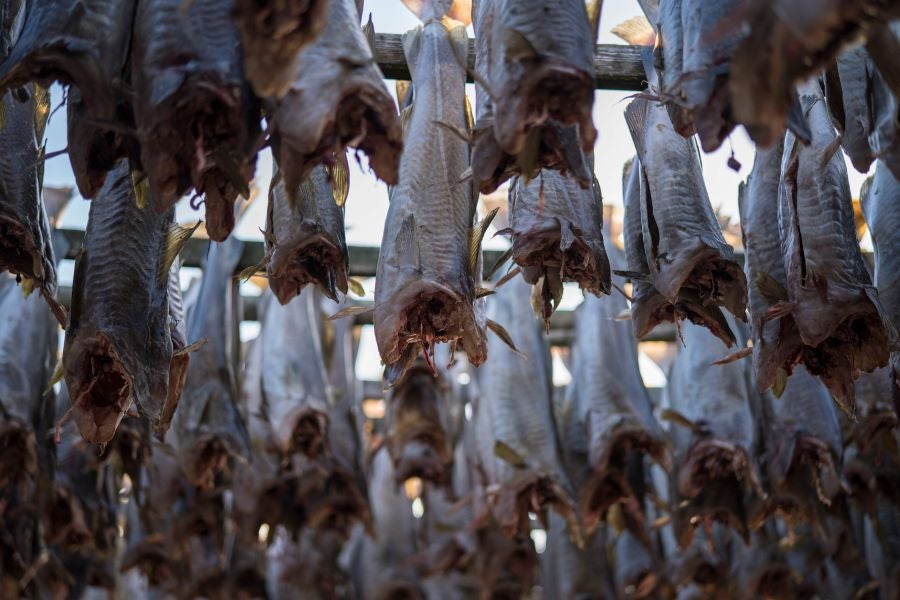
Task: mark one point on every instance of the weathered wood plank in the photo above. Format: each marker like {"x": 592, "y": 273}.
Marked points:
{"x": 616, "y": 67}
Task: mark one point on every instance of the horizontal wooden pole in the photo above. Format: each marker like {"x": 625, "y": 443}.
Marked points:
{"x": 616, "y": 67}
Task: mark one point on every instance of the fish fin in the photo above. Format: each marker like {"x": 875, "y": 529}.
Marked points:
{"x": 77, "y": 288}
{"x": 459, "y": 10}
{"x": 566, "y": 235}
{"x": 356, "y": 287}
{"x": 465, "y": 176}
{"x": 778, "y": 310}
{"x": 369, "y": 32}
{"x": 508, "y": 277}
{"x": 635, "y": 118}
{"x": 176, "y": 237}
{"x": 635, "y": 31}
{"x": 339, "y": 176}
{"x": 797, "y": 123}
{"x": 884, "y": 47}
{"x": 403, "y": 90}
{"x": 351, "y": 311}
{"x": 140, "y": 187}
{"x": 517, "y": 46}
{"x": 41, "y": 99}
{"x": 675, "y": 417}
{"x": 770, "y": 288}
{"x": 624, "y": 315}
{"x": 632, "y": 275}
{"x": 527, "y": 159}
{"x": 455, "y": 130}
{"x": 190, "y": 348}
{"x": 475, "y": 238}
{"x": 405, "y": 118}
{"x": 829, "y": 151}
{"x": 506, "y": 453}
{"x": 470, "y": 119}
{"x": 504, "y": 336}
{"x": 500, "y": 262}
{"x": 27, "y": 286}
{"x": 57, "y": 376}
{"x": 482, "y": 292}
{"x": 253, "y": 270}
{"x": 734, "y": 356}
{"x": 592, "y": 7}
{"x": 412, "y": 44}
{"x": 781, "y": 377}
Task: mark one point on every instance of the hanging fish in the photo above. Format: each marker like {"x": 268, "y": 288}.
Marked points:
{"x": 850, "y": 84}
{"x": 537, "y": 70}
{"x": 830, "y": 296}
{"x": 197, "y": 120}
{"x": 273, "y": 32}
{"x": 337, "y": 98}
{"x": 26, "y": 249}
{"x": 305, "y": 236}
{"x": 428, "y": 267}
{"x": 879, "y": 199}
{"x": 568, "y": 571}
{"x": 209, "y": 431}
{"x": 556, "y": 229}
{"x": 714, "y": 435}
{"x": 611, "y": 423}
{"x": 118, "y": 347}
{"x": 516, "y": 438}
{"x": 417, "y": 427}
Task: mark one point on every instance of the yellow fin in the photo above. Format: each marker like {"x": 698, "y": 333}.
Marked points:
{"x": 351, "y": 311}
{"x": 141, "y": 188}
{"x": 27, "y": 286}
{"x": 482, "y": 292}
{"x": 190, "y": 348}
{"x": 356, "y": 287}
{"x": 339, "y": 176}
{"x": 780, "y": 382}
{"x": 57, "y": 376}
{"x": 637, "y": 31}
{"x": 470, "y": 117}
{"x": 501, "y": 332}
{"x": 41, "y": 99}
{"x": 504, "y": 452}
{"x": 402, "y": 88}
{"x": 673, "y": 416}
{"x": 176, "y": 238}
{"x": 460, "y": 10}
{"x": 369, "y": 32}
{"x": 475, "y": 238}
{"x": 734, "y": 356}
{"x": 457, "y": 131}
{"x": 593, "y": 13}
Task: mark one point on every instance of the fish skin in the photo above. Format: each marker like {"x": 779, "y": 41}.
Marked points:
{"x": 178, "y": 367}
{"x": 26, "y": 248}
{"x": 636, "y": 572}
{"x": 878, "y": 199}
{"x": 337, "y": 98}
{"x": 537, "y": 62}
{"x": 856, "y": 82}
{"x": 194, "y": 110}
{"x": 885, "y": 138}
{"x": 384, "y": 564}
{"x": 273, "y": 33}
{"x": 417, "y": 419}
{"x": 294, "y": 386}
{"x": 570, "y": 572}
{"x": 514, "y": 410}
{"x": 668, "y": 58}
{"x": 305, "y": 238}
{"x": 776, "y": 342}
{"x": 689, "y": 261}
{"x": 715, "y": 468}
{"x": 835, "y": 306}
{"x": 798, "y": 38}
{"x": 425, "y": 286}
{"x": 557, "y": 234}
{"x": 119, "y": 322}
{"x": 209, "y": 431}
{"x": 648, "y": 307}
{"x": 612, "y": 414}
{"x": 882, "y": 547}
{"x": 804, "y": 450}
{"x": 704, "y": 69}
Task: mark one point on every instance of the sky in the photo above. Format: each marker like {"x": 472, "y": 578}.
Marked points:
{"x": 368, "y": 200}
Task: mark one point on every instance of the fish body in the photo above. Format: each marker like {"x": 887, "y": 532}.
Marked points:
{"x": 118, "y": 346}
{"x": 197, "y": 120}
{"x": 776, "y": 342}
{"x": 305, "y": 238}
{"x": 273, "y": 33}
{"x": 538, "y": 66}
{"x": 852, "y": 110}
{"x": 571, "y": 572}
{"x": 294, "y": 380}
{"x": 516, "y": 438}
{"x": 557, "y": 236}
{"x": 612, "y": 414}
{"x": 418, "y": 439}
{"x": 878, "y": 199}
{"x": 427, "y": 268}
{"x": 834, "y": 305}
{"x": 337, "y": 98}
{"x": 26, "y": 249}
{"x": 884, "y": 139}
{"x": 668, "y": 57}
{"x": 715, "y": 454}
{"x": 689, "y": 261}
{"x": 208, "y": 426}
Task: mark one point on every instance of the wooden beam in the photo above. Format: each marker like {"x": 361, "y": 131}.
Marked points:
{"x": 616, "y": 67}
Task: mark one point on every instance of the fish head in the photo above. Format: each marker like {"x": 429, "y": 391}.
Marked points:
{"x": 100, "y": 387}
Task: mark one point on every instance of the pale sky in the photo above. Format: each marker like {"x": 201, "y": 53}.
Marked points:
{"x": 368, "y": 201}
